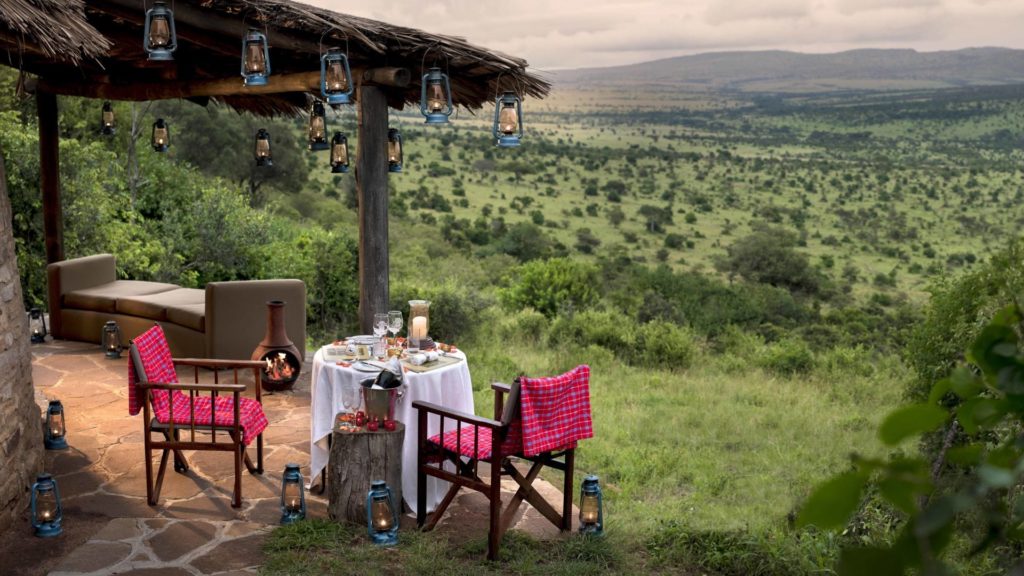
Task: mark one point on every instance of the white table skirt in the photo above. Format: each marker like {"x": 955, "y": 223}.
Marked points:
{"x": 334, "y": 385}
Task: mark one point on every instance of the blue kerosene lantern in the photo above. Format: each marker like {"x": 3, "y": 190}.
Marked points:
{"x": 47, "y": 513}
{"x": 394, "y": 150}
{"x": 55, "y": 437}
{"x": 159, "y": 35}
{"x": 508, "y": 120}
{"x": 381, "y": 514}
{"x": 591, "y": 507}
{"x": 317, "y": 132}
{"x": 255, "y": 58}
{"x": 339, "y": 153}
{"x": 293, "y": 495}
{"x": 436, "y": 97}
{"x": 335, "y": 77}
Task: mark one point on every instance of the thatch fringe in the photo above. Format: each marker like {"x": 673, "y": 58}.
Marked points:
{"x": 57, "y": 27}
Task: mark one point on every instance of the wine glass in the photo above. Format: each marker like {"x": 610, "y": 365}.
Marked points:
{"x": 380, "y": 329}
{"x": 395, "y": 322}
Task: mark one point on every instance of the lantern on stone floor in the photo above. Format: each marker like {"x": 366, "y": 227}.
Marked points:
{"x": 339, "y": 153}
{"x": 317, "y": 127}
{"x": 110, "y": 339}
{"x": 55, "y": 436}
{"x": 108, "y": 125}
{"x": 293, "y": 495}
{"x": 508, "y": 120}
{"x": 37, "y": 325}
{"x": 591, "y": 507}
{"x": 47, "y": 513}
{"x": 335, "y": 77}
{"x": 436, "y": 97}
{"x": 381, "y": 514}
{"x": 262, "y": 148}
{"x": 394, "y": 150}
{"x": 159, "y": 36}
{"x": 161, "y": 135}
{"x": 255, "y": 58}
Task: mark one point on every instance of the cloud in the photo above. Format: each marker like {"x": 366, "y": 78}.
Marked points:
{"x": 581, "y": 33}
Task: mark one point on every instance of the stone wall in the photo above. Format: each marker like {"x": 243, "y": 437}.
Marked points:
{"x": 21, "y": 443}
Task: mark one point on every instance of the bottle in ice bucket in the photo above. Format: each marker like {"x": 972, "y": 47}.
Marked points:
{"x": 380, "y": 393}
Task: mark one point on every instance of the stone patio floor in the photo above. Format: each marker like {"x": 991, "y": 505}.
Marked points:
{"x": 108, "y": 526}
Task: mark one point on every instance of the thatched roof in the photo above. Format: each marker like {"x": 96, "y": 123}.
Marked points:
{"x": 209, "y": 49}
{"x": 56, "y": 29}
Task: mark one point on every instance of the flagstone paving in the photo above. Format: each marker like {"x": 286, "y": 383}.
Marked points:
{"x": 108, "y": 526}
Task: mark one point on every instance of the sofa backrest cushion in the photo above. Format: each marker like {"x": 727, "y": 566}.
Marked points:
{"x": 236, "y": 315}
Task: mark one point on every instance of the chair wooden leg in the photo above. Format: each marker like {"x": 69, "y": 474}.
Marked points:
{"x": 259, "y": 454}
{"x": 149, "y": 473}
{"x": 494, "y": 529}
{"x": 236, "y": 500}
{"x": 449, "y": 496}
{"x": 570, "y": 461}
{"x": 155, "y": 493}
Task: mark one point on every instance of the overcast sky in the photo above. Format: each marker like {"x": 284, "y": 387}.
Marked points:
{"x": 553, "y": 34}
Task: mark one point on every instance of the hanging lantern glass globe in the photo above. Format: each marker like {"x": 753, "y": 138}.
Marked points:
{"x": 508, "y": 120}
{"x": 394, "y": 150}
{"x": 335, "y": 77}
{"x": 161, "y": 135}
{"x": 339, "y": 153}
{"x": 436, "y": 97}
{"x": 317, "y": 127}
{"x": 255, "y": 58}
{"x": 108, "y": 125}
{"x": 159, "y": 35}
{"x": 262, "y": 148}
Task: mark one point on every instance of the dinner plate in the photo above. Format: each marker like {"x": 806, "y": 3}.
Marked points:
{"x": 363, "y": 339}
{"x": 364, "y": 367}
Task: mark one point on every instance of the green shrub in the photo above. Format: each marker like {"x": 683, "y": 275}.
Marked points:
{"x": 663, "y": 345}
{"x": 610, "y": 330}
{"x": 525, "y": 326}
{"x": 786, "y": 357}
{"x": 552, "y": 287}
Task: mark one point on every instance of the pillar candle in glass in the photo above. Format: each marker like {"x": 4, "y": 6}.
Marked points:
{"x": 419, "y": 323}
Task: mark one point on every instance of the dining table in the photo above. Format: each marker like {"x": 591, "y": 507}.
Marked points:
{"x": 336, "y": 388}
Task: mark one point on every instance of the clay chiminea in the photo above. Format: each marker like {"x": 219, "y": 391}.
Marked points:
{"x": 278, "y": 352}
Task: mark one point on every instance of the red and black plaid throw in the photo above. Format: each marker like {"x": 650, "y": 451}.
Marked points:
{"x": 556, "y": 411}
{"x": 158, "y": 366}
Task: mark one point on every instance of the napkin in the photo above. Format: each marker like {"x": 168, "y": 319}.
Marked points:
{"x": 422, "y": 358}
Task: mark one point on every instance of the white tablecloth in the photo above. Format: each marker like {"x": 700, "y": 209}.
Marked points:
{"x": 333, "y": 385}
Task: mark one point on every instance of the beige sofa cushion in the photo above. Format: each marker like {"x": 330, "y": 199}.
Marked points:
{"x": 103, "y": 298}
{"x": 188, "y": 315}
{"x": 154, "y": 306}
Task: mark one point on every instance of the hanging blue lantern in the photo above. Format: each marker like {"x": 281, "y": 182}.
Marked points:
{"x": 394, "y": 150}
{"x": 317, "y": 132}
{"x": 47, "y": 512}
{"x": 508, "y": 120}
{"x": 108, "y": 125}
{"x": 293, "y": 495}
{"x": 262, "y": 148}
{"x": 381, "y": 514}
{"x": 159, "y": 36}
{"x": 339, "y": 153}
{"x": 335, "y": 77}
{"x": 37, "y": 325}
{"x": 255, "y": 58}
{"x": 161, "y": 135}
{"x": 591, "y": 507}
{"x": 436, "y": 97}
{"x": 55, "y": 437}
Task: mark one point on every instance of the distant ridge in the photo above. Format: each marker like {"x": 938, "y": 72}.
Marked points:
{"x": 782, "y": 71}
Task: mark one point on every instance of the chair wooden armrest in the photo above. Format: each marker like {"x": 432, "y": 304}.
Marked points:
{"x": 426, "y": 408}
{"x": 193, "y": 387}
{"x": 214, "y": 363}
{"x": 500, "y": 390}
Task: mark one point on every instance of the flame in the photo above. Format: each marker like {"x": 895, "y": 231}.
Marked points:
{"x": 278, "y": 367}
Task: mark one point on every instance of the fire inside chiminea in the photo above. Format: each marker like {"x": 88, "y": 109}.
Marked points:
{"x": 278, "y": 352}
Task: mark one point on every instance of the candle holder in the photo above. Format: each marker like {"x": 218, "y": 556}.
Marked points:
{"x": 419, "y": 325}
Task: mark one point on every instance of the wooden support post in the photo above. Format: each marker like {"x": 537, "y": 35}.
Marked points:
{"x": 372, "y": 190}
{"x": 49, "y": 176}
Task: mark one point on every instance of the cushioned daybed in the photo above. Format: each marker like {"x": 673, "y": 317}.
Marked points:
{"x": 225, "y": 320}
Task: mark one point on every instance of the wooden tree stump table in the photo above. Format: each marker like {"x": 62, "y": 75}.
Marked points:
{"x": 357, "y": 458}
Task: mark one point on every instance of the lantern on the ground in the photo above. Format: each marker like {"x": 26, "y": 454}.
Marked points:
{"x": 591, "y": 507}
{"x": 255, "y": 58}
{"x": 293, "y": 495}
{"x": 55, "y": 436}
{"x": 508, "y": 120}
{"x": 107, "y": 123}
{"x": 436, "y": 97}
{"x": 46, "y": 509}
{"x": 159, "y": 35}
{"x": 381, "y": 514}
{"x": 161, "y": 135}
{"x": 317, "y": 127}
{"x": 262, "y": 148}
{"x": 335, "y": 77}
{"x": 339, "y": 153}
{"x": 110, "y": 339}
{"x": 37, "y": 325}
{"x": 394, "y": 150}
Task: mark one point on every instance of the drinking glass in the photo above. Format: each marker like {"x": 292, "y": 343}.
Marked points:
{"x": 395, "y": 322}
{"x": 380, "y": 329}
